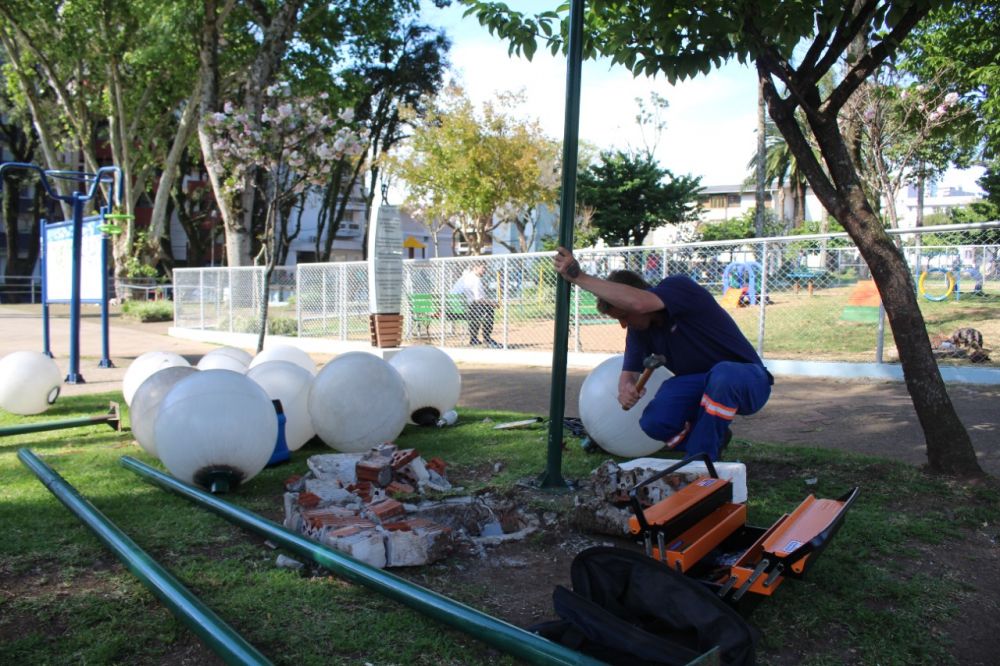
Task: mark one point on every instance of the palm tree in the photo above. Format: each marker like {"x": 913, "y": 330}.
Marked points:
{"x": 780, "y": 168}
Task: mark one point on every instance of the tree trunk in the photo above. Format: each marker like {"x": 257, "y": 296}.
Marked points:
{"x": 761, "y": 160}
{"x": 921, "y": 180}
{"x": 949, "y": 448}
{"x": 159, "y": 221}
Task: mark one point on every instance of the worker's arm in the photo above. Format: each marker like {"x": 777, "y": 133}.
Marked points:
{"x": 621, "y": 296}
{"x": 627, "y": 395}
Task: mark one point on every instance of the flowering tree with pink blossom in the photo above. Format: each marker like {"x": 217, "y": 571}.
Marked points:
{"x": 284, "y": 151}
{"x": 904, "y": 135}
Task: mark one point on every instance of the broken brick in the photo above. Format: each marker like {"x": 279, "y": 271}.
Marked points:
{"x": 376, "y": 470}
{"x": 437, "y": 465}
{"x": 395, "y": 527}
{"x": 403, "y": 457}
{"x": 399, "y": 488}
{"x": 387, "y": 508}
{"x": 308, "y": 500}
{"x": 292, "y": 481}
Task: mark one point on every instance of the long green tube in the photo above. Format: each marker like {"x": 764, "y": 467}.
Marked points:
{"x": 513, "y": 640}
{"x": 112, "y": 418}
{"x": 198, "y": 617}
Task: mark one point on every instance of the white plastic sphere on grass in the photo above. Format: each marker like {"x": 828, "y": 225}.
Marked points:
{"x": 290, "y": 384}
{"x": 215, "y": 428}
{"x": 614, "y": 429}
{"x": 29, "y": 382}
{"x": 285, "y": 353}
{"x": 358, "y": 401}
{"x": 144, "y": 366}
{"x": 225, "y": 358}
{"x": 146, "y": 403}
{"x": 433, "y": 383}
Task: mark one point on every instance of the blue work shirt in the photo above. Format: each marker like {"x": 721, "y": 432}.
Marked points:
{"x": 697, "y": 332}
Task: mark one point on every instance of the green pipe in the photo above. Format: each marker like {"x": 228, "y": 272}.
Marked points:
{"x": 111, "y": 418}
{"x": 199, "y": 618}
{"x": 513, "y": 640}
{"x": 552, "y": 476}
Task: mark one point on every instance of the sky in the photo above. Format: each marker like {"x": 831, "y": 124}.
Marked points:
{"x": 711, "y": 121}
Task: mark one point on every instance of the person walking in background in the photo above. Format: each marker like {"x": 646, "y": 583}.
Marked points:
{"x": 717, "y": 372}
{"x": 478, "y": 306}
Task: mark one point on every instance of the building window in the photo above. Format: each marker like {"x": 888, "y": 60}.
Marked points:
{"x": 717, "y": 201}
{"x": 734, "y": 199}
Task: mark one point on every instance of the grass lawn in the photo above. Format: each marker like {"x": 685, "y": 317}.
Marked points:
{"x": 874, "y": 597}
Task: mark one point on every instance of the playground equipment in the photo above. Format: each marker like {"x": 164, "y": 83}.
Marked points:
{"x": 748, "y": 273}
{"x": 863, "y": 303}
{"x": 953, "y": 282}
{"x": 55, "y": 259}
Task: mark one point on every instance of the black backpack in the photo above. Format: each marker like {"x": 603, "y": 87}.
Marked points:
{"x": 627, "y": 608}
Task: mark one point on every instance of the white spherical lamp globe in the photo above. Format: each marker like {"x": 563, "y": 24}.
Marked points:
{"x": 433, "y": 383}
{"x": 290, "y": 384}
{"x": 145, "y": 365}
{"x": 216, "y": 429}
{"x": 616, "y": 430}
{"x": 225, "y": 358}
{"x": 285, "y": 353}
{"x": 29, "y": 382}
{"x": 358, "y": 401}
{"x": 146, "y": 403}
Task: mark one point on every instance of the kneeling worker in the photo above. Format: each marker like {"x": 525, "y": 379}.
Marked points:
{"x": 717, "y": 372}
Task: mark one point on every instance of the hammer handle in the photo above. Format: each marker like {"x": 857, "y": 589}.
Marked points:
{"x": 643, "y": 378}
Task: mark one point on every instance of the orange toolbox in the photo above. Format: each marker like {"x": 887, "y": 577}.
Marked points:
{"x": 699, "y": 531}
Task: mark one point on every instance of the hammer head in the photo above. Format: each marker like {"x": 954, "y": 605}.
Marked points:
{"x": 654, "y": 361}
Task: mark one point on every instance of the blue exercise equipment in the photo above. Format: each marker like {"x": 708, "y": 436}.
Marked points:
{"x": 73, "y": 232}
{"x": 748, "y": 273}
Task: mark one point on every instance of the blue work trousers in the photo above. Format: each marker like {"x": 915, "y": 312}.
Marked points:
{"x": 693, "y": 412}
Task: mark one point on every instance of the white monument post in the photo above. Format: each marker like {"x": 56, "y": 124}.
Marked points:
{"x": 385, "y": 277}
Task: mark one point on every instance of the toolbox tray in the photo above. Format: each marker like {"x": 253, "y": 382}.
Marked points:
{"x": 697, "y": 534}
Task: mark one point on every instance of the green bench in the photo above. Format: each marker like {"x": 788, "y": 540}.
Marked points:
{"x": 425, "y": 309}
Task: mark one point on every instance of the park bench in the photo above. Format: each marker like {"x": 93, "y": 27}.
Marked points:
{"x": 809, "y": 277}
{"x": 425, "y": 309}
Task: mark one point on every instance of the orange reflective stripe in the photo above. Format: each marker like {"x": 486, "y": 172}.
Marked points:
{"x": 717, "y": 409}
{"x": 679, "y": 437}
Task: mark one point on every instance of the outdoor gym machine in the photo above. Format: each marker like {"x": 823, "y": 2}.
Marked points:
{"x": 88, "y": 184}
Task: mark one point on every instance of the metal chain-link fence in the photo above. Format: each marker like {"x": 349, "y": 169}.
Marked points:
{"x": 806, "y": 297}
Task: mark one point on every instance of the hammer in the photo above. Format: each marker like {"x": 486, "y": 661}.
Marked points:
{"x": 650, "y": 363}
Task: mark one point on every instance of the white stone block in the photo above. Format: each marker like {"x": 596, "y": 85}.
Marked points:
{"x": 734, "y": 472}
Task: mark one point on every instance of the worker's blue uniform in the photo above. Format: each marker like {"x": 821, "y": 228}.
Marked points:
{"x": 717, "y": 372}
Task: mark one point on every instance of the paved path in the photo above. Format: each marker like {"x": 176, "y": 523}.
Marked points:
{"x": 873, "y": 417}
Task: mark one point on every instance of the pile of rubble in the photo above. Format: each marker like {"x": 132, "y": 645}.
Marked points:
{"x": 603, "y": 506}
{"x": 349, "y": 501}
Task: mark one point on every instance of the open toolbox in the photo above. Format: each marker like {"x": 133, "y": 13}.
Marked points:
{"x": 699, "y": 531}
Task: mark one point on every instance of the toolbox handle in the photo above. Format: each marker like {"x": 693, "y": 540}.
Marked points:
{"x": 819, "y": 541}
{"x": 633, "y": 498}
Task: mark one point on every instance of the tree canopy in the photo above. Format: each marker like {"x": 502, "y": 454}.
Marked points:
{"x": 793, "y": 46}
{"x": 476, "y": 170}
{"x": 631, "y": 195}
